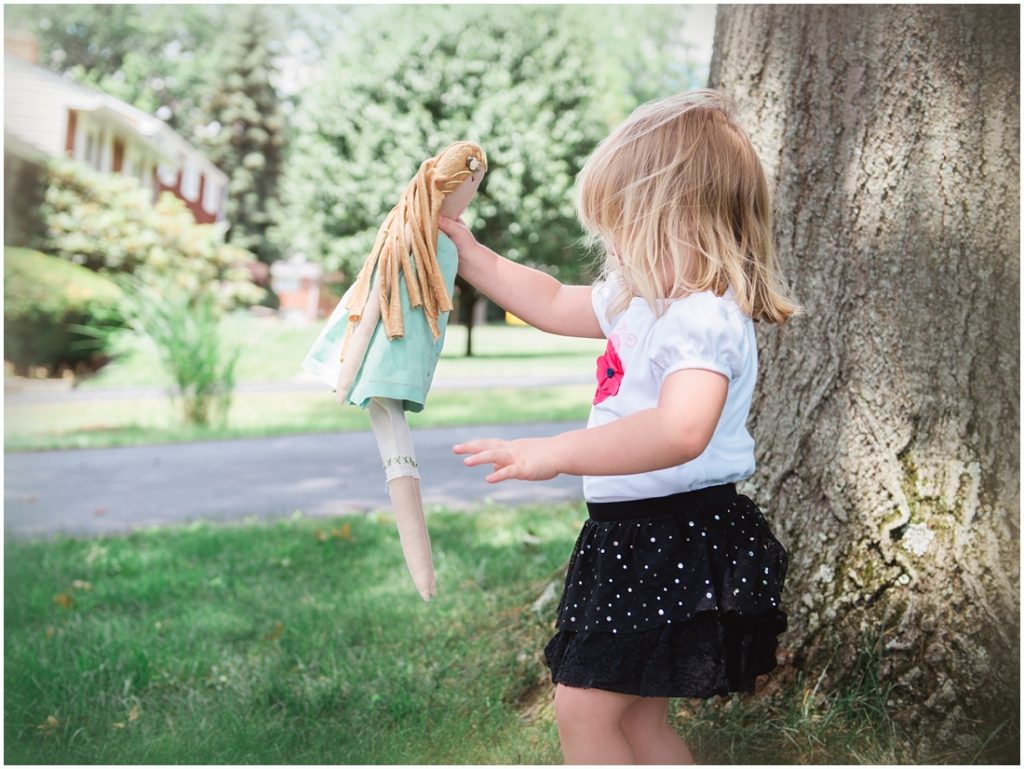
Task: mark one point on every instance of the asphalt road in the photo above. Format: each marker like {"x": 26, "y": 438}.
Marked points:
{"x": 99, "y": 491}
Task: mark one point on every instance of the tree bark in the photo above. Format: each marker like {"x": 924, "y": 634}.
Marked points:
{"x": 887, "y": 418}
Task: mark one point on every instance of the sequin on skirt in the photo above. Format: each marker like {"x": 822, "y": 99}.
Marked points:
{"x": 673, "y": 596}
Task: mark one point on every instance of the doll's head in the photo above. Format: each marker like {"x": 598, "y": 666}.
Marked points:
{"x": 679, "y": 201}
{"x": 458, "y": 171}
{"x": 409, "y": 236}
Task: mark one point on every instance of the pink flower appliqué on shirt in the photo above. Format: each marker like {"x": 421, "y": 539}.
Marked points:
{"x": 609, "y": 374}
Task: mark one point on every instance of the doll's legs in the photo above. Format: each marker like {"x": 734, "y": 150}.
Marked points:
{"x": 394, "y": 441}
{"x": 590, "y": 725}
{"x": 651, "y": 736}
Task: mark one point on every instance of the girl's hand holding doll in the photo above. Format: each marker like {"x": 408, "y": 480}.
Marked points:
{"x": 536, "y": 297}
{"x": 459, "y": 234}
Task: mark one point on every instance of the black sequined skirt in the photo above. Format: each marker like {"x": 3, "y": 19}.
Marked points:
{"x": 676, "y": 596}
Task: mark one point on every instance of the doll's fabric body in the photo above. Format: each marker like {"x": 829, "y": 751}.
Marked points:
{"x": 402, "y": 368}
{"x": 380, "y": 347}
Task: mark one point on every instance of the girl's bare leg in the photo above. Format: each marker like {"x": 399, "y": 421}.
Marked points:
{"x": 590, "y": 725}
{"x": 652, "y": 738}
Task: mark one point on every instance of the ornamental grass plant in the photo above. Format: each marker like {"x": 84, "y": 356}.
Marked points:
{"x": 185, "y": 331}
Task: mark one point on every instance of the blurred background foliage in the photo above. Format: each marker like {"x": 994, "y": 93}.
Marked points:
{"x": 45, "y": 298}
{"x": 536, "y": 86}
{"x": 341, "y": 104}
{"x": 245, "y": 132}
{"x": 320, "y": 115}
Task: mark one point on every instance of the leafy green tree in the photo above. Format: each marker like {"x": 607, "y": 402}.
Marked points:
{"x": 160, "y": 58}
{"x": 529, "y": 84}
{"x": 94, "y": 37}
{"x": 112, "y": 47}
{"x": 248, "y": 137}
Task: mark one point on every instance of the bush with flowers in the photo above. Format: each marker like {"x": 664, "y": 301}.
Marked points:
{"x": 106, "y": 222}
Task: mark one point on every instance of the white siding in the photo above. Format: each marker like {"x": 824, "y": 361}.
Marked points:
{"x": 34, "y": 106}
{"x": 189, "y": 180}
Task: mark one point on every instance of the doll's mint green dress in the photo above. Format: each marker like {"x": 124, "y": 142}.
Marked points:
{"x": 399, "y": 368}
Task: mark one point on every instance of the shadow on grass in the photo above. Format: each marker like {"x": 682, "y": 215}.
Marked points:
{"x": 304, "y": 641}
{"x": 296, "y": 640}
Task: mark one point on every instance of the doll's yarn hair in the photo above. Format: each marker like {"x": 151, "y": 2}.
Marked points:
{"x": 680, "y": 177}
{"x": 406, "y": 244}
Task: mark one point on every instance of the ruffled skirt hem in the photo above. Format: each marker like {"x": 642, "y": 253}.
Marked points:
{"x": 714, "y": 653}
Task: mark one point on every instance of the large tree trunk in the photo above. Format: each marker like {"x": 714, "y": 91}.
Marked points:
{"x": 887, "y": 418}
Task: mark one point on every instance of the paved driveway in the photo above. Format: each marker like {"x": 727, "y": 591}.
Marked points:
{"x": 96, "y": 491}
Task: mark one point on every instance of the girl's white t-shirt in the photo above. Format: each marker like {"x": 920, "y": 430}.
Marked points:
{"x": 700, "y": 330}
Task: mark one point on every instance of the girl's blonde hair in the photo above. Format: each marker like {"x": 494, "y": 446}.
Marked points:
{"x": 680, "y": 177}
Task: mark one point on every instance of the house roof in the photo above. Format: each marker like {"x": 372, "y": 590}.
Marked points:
{"x": 34, "y": 97}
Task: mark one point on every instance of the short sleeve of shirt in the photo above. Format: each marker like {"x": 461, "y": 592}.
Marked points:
{"x": 603, "y": 293}
{"x": 698, "y": 333}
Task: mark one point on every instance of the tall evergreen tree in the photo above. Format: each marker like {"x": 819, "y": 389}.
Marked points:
{"x": 247, "y": 136}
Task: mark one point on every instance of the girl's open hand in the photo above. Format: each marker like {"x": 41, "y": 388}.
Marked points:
{"x": 457, "y": 230}
{"x": 526, "y": 459}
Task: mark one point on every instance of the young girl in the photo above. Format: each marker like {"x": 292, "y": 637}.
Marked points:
{"x": 674, "y": 583}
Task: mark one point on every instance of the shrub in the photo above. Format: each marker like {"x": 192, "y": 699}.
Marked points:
{"x": 106, "y": 222}
{"x": 45, "y": 299}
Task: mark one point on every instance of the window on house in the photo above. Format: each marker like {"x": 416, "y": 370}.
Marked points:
{"x": 168, "y": 175}
{"x": 103, "y": 155}
{"x": 90, "y": 150}
{"x": 145, "y": 173}
{"x": 284, "y": 285}
{"x": 190, "y": 181}
{"x": 211, "y": 194}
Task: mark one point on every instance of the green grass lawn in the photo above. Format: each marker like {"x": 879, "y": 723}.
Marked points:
{"x": 298, "y": 641}
{"x": 272, "y": 351}
{"x": 303, "y": 640}
{"x": 124, "y": 422}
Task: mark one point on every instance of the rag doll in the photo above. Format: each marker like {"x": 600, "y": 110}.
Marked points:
{"x": 381, "y": 344}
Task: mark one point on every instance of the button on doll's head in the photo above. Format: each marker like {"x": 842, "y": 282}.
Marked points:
{"x": 458, "y": 172}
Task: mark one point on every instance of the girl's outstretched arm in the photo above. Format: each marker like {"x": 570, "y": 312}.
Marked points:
{"x": 529, "y": 294}
{"x": 675, "y": 431}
